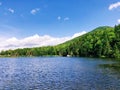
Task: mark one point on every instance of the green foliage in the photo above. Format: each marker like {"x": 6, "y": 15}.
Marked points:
{"x": 101, "y": 42}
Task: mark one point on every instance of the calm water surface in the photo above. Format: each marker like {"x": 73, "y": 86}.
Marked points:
{"x": 58, "y": 73}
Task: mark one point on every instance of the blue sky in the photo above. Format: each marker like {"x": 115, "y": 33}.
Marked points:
{"x": 57, "y": 18}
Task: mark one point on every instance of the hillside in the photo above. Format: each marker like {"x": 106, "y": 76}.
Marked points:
{"x": 100, "y": 42}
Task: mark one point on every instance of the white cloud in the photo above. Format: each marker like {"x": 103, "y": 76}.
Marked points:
{"x": 59, "y": 17}
{"x": 66, "y": 18}
{"x": 78, "y": 34}
{"x": 0, "y": 3}
{"x": 11, "y": 10}
{"x": 114, "y": 5}
{"x": 34, "y": 41}
{"x": 118, "y": 20}
{"x": 34, "y": 11}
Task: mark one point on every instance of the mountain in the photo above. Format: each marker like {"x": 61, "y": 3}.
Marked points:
{"x": 101, "y": 42}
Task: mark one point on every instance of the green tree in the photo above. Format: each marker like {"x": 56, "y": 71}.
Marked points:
{"x": 116, "y": 53}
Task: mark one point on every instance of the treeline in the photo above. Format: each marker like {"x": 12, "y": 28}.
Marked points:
{"x": 101, "y": 42}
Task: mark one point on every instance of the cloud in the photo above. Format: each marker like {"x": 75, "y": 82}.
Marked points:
{"x": 114, "y": 5}
{"x": 34, "y": 11}
{"x": 66, "y": 18}
{"x": 78, "y": 34}
{"x": 59, "y": 17}
{"x": 11, "y": 10}
{"x": 118, "y": 20}
{"x": 34, "y": 41}
{"x": 0, "y": 3}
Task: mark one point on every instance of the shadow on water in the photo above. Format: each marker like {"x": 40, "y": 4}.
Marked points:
{"x": 112, "y": 69}
{"x": 114, "y": 66}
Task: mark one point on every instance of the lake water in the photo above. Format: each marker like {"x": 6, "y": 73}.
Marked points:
{"x": 58, "y": 73}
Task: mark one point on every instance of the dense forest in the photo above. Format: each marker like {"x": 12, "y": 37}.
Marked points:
{"x": 101, "y": 42}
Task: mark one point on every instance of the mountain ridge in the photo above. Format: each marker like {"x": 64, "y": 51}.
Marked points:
{"x": 103, "y": 41}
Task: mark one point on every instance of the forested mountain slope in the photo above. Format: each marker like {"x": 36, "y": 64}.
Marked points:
{"x": 101, "y": 42}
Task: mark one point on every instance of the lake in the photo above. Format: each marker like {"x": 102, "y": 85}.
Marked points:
{"x": 58, "y": 73}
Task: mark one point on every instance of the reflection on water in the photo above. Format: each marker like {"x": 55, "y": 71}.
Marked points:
{"x": 58, "y": 73}
{"x": 112, "y": 69}
{"x": 114, "y": 66}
